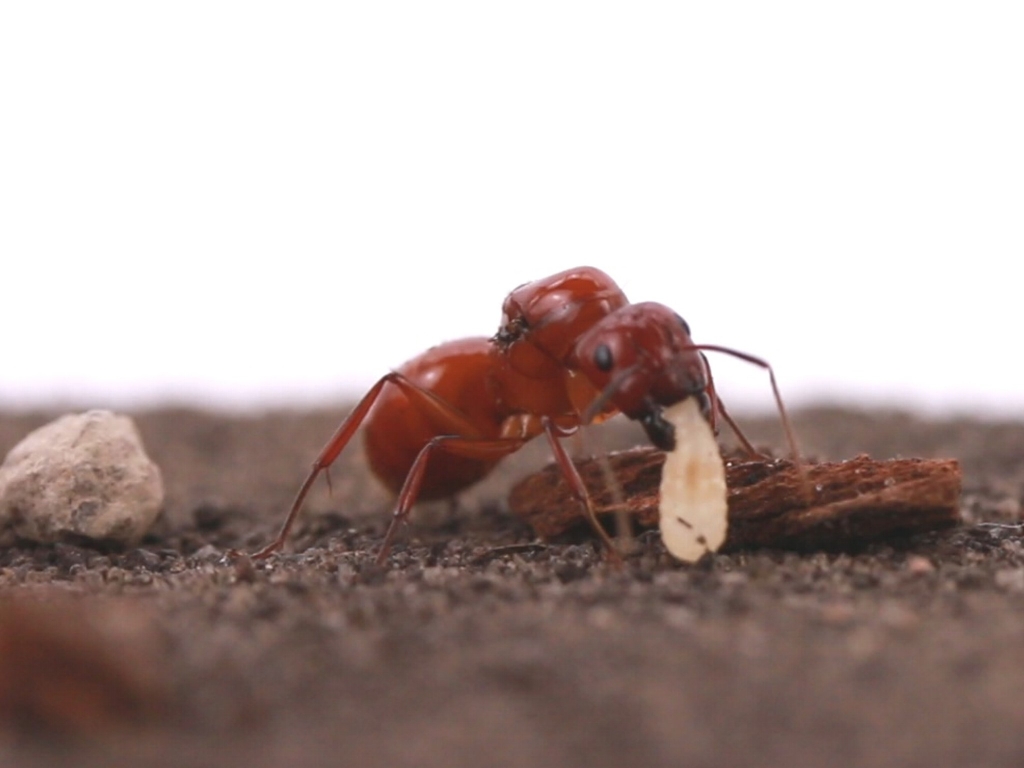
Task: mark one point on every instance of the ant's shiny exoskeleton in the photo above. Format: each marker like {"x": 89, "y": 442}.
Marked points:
{"x": 571, "y": 351}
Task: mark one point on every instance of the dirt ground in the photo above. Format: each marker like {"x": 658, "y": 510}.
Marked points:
{"x": 459, "y": 653}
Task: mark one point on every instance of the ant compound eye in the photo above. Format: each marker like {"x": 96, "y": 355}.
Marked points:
{"x": 686, "y": 325}
{"x": 603, "y": 358}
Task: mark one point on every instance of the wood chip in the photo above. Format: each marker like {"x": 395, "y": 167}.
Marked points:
{"x": 844, "y": 506}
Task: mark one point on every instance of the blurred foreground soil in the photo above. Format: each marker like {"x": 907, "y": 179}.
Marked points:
{"x": 462, "y": 653}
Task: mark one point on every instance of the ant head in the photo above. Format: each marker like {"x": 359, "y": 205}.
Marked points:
{"x": 641, "y": 359}
{"x": 542, "y": 320}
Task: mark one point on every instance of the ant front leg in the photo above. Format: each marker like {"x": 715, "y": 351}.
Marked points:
{"x": 787, "y": 426}
{"x": 747, "y": 445}
{"x": 717, "y": 408}
{"x": 578, "y": 488}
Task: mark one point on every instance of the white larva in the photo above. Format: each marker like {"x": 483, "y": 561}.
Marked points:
{"x": 693, "y": 509}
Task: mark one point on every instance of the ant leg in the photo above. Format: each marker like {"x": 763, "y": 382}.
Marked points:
{"x": 747, "y": 445}
{"x": 787, "y": 426}
{"x": 492, "y": 450}
{"x": 579, "y": 490}
{"x": 783, "y": 416}
{"x": 456, "y": 445}
{"x": 427, "y": 400}
{"x": 717, "y": 408}
{"x": 711, "y": 405}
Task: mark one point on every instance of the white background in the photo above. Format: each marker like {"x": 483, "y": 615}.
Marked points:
{"x": 246, "y": 204}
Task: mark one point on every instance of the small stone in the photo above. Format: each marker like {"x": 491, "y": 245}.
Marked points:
{"x": 207, "y": 553}
{"x": 838, "y": 613}
{"x": 83, "y": 476}
{"x": 919, "y": 565}
{"x": 897, "y": 616}
{"x": 1010, "y": 579}
{"x": 1007, "y": 507}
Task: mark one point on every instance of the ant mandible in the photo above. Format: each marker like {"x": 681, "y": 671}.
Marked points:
{"x": 571, "y": 351}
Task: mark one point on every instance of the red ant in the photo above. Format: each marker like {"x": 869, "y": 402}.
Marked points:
{"x": 571, "y": 351}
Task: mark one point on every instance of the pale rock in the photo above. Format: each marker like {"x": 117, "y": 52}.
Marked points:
{"x": 82, "y": 476}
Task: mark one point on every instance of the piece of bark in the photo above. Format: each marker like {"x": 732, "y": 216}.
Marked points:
{"x": 844, "y": 505}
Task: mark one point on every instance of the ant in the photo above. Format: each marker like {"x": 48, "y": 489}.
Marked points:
{"x": 571, "y": 351}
